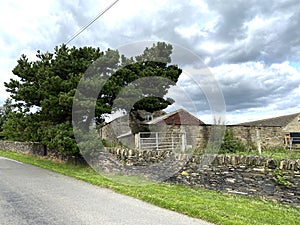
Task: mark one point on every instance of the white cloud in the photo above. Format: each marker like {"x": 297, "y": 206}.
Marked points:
{"x": 191, "y": 31}
{"x": 257, "y": 87}
{"x": 212, "y": 47}
{"x": 252, "y": 47}
{"x": 201, "y": 4}
{"x": 251, "y": 90}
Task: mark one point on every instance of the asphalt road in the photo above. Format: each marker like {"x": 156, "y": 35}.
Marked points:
{"x": 31, "y": 195}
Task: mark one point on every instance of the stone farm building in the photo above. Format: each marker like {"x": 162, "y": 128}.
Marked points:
{"x": 273, "y": 131}
{"x": 177, "y": 122}
{"x": 186, "y": 129}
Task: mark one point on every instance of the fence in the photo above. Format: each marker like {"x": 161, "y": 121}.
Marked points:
{"x": 161, "y": 141}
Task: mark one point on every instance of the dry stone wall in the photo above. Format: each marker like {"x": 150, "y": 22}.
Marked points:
{"x": 277, "y": 180}
{"x": 35, "y": 148}
{"x": 138, "y": 158}
{"x": 247, "y": 175}
{"x": 23, "y": 147}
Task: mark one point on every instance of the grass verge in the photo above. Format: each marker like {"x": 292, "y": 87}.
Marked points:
{"x": 283, "y": 154}
{"x": 212, "y": 206}
{"x": 287, "y": 154}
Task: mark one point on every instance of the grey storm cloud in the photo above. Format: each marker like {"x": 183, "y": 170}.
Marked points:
{"x": 246, "y": 86}
{"x": 274, "y": 42}
{"x": 263, "y": 87}
{"x": 158, "y": 25}
{"x": 228, "y": 36}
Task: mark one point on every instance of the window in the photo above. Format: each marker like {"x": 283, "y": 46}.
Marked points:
{"x": 148, "y": 117}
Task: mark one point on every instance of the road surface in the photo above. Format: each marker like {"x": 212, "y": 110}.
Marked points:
{"x": 31, "y": 195}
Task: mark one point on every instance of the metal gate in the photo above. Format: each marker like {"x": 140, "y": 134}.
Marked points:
{"x": 175, "y": 141}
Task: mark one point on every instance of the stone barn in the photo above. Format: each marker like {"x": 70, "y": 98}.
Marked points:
{"x": 169, "y": 125}
{"x": 281, "y": 131}
{"x": 182, "y": 128}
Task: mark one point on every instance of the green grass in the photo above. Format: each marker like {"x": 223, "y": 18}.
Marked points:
{"x": 275, "y": 154}
{"x": 211, "y": 206}
{"x": 285, "y": 154}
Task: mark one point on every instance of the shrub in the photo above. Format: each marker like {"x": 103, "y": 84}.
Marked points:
{"x": 232, "y": 144}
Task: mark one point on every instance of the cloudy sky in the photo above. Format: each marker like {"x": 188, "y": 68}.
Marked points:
{"x": 251, "y": 47}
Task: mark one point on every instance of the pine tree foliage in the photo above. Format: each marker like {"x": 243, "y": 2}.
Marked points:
{"x": 43, "y": 90}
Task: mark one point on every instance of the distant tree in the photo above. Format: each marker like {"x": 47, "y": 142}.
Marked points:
{"x": 44, "y": 90}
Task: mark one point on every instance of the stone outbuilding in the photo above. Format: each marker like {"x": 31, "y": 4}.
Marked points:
{"x": 281, "y": 130}
{"x": 288, "y": 123}
{"x": 194, "y": 133}
{"x": 177, "y": 123}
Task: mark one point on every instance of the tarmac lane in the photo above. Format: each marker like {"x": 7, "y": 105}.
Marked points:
{"x": 32, "y": 195}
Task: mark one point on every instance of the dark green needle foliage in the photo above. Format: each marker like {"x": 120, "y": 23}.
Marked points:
{"x": 42, "y": 91}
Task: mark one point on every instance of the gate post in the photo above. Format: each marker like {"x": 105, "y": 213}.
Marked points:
{"x": 137, "y": 141}
{"x": 156, "y": 139}
{"x": 258, "y": 140}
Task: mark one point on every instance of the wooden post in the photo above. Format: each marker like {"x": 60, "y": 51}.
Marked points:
{"x": 156, "y": 139}
{"x": 137, "y": 141}
{"x": 258, "y": 141}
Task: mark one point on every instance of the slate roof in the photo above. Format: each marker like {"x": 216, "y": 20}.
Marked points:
{"x": 280, "y": 121}
{"x": 178, "y": 117}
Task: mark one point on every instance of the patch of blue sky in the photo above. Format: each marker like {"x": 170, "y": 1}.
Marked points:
{"x": 296, "y": 65}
